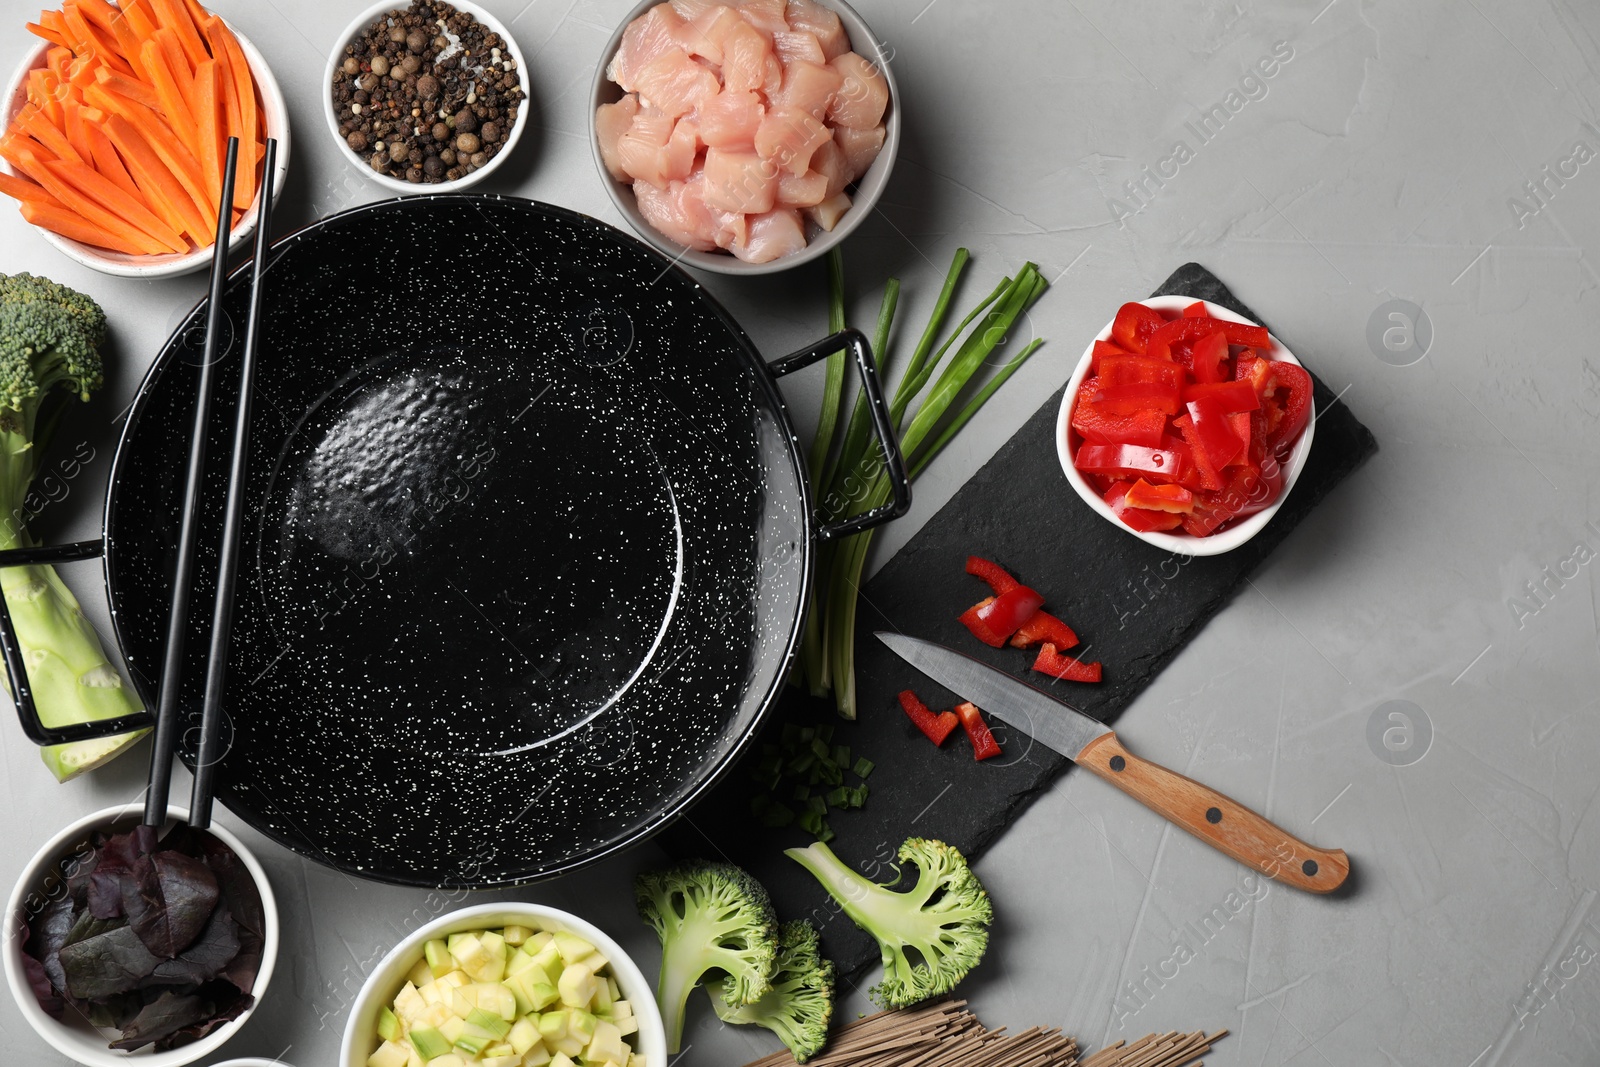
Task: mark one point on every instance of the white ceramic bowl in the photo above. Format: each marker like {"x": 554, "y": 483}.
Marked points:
{"x": 400, "y": 185}
{"x": 1067, "y": 441}
{"x": 76, "y": 1039}
{"x": 386, "y": 979}
{"x": 869, "y": 187}
{"x": 166, "y": 265}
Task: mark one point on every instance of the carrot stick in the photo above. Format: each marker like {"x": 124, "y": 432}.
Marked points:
{"x": 82, "y": 70}
{"x": 32, "y": 121}
{"x": 91, "y": 40}
{"x": 137, "y": 91}
{"x": 160, "y": 189}
{"x": 157, "y": 163}
{"x": 23, "y": 189}
{"x": 86, "y": 206}
{"x": 52, "y": 21}
{"x": 129, "y": 210}
{"x": 44, "y": 92}
{"x": 248, "y": 127}
{"x": 47, "y": 33}
{"x": 121, "y": 28}
{"x": 199, "y": 15}
{"x": 174, "y": 106}
{"x": 138, "y": 13}
{"x": 107, "y": 162}
{"x": 207, "y": 119}
{"x": 76, "y": 137}
{"x": 100, "y": 13}
{"x": 175, "y": 17}
{"x": 68, "y": 223}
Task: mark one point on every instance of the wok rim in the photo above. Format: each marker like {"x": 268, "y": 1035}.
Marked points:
{"x": 758, "y": 368}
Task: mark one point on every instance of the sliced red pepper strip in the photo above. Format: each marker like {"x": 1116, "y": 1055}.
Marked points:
{"x": 1131, "y": 461}
{"x": 1240, "y": 422}
{"x": 1044, "y": 627}
{"x": 1178, "y": 331}
{"x": 1244, "y": 333}
{"x": 993, "y": 573}
{"x": 1210, "y": 475}
{"x": 1138, "y": 518}
{"x": 983, "y": 743}
{"x": 1294, "y": 386}
{"x": 1211, "y": 432}
{"x": 1173, "y": 498}
{"x": 1103, "y": 349}
{"x": 1139, "y": 370}
{"x": 995, "y": 621}
{"x": 1234, "y": 396}
{"x": 1197, "y": 310}
{"x": 1053, "y": 663}
{"x": 1208, "y": 358}
{"x": 1145, "y": 427}
{"x": 1134, "y": 324}
{"x": 979, "y": 629}
{"x": 1135, "y": 397}
{"x": 934, "y": 727}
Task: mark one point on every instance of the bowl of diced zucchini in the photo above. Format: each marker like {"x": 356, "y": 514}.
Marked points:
{"x": 505, "y": 985}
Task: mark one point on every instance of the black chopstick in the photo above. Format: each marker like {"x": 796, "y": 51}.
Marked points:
{"x": 228, "y": 563}
{"x": 164, "y": 740}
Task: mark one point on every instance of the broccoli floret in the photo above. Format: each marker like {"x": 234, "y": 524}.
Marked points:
{"x": 799, "y": 1005}
{"x": 50, "y": 338}
{"x": 709, "y": 917}
{"x": 931, "y": 936}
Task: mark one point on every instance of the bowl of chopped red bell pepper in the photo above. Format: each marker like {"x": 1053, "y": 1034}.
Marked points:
{"x": 1185, "y": 424}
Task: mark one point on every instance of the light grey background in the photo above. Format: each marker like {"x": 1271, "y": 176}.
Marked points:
{"x": 1380, "y": 162}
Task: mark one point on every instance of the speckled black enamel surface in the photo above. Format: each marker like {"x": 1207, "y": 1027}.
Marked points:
{"x": 526, "y": 542}
{"x": 1134, "y": 606}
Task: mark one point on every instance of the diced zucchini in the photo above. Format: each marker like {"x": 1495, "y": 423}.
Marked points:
{"x": 572, "y": 947}
{"x": 524, "y": 1034}
{"x": 606, "y": 1046}
{"x": 388, "y": 1025}
{"x": 420, "y": 974}
{"x": 516, "y": 935}
{"x": 489, "y": 1022}
{"x": 408, "y": 1003}
{"x": 498, "y": 999}
{"x": 452, "y": 1028}
{"x": 388, "y": 1054}
{"x": 438, "y": 957}
{"x": 429, "y": 1042}
{"x": 576, "y": 986}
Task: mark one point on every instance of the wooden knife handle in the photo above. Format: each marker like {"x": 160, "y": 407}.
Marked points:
{"x": 1223, "y": 824}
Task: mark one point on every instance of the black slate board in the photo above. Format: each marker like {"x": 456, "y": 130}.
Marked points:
{"x": 1019, "y": 511}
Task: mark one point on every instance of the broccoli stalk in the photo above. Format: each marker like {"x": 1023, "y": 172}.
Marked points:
{"x": 931, "y": 936}
{"x": 709, "y": 917}
{"x": 799, "y": 1005}
{"x": 50, "y": 337}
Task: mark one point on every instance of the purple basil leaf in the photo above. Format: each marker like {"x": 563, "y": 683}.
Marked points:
{"x": 205, "y": 959}
{"x": 105, "y": 889}
{"x": 237, "y": 885}
{"x": 46, "y": 934}
{"x": 162, "y": 1017}
{"x": 107, "y": 963}
{"x": 225, "y": 1012}
{"x": 175, "y": 898}
{"x": 241, "y": 971}
{"x": 42, "y": 989}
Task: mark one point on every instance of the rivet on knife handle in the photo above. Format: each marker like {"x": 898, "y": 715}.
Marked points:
{"x": 1222, "y": 823}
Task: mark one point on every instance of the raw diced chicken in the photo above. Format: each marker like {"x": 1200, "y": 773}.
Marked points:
{"x": 745, "y": 51}
{"x": 647, "y": 38}
{"x": 611, "y": 121}
{"x": 702, "y": 36}
{"x": 808, "y": 16}
{"x": 773, "y": 81}
{"x": 641, "y": 150}
{"x": 676, "y": 84}
{"x": 789, "y": 138}
{"x": 829, "y": 161}
{"x": 860, "y": 148}
{"x": 730, "y": 120}
{"x": 828, "y": 213}
{"x": 808, "y": 87}
{"x": 689, "y": 10}
{"x": 796, "y": 45}
{"x": 861, "y": 101}
{"x": 740, "y": 181}
{"x": 772, "y": 235}
{"x": 806, "y": 190}
{"x": 681, "y": 151}
{"x": 677, "y": 215}
{"x": 768, "y": 16}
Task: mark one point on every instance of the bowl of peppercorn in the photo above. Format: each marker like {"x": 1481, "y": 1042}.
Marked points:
{"x": 426, "y": 98}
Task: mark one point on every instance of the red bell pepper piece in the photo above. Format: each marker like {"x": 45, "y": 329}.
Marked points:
{"x": 1130, "y": 461}
{"x": 993, "y": 573}
{"x": 1044, "y": 627}
{"x": 1173, "y": 498}
{"x": 1128, "y": 383}
{"x": 1241, "y": 423}
{"x": 1244, "y": 333}
{"x": 994, "y": 619}
{"x": 1177, "y": 332}
{"x": 1134, "y": 324}
{"x": 1244, "y": 366}
{"x": 1211, "y": 432}
{"x": 1235, "y": 396}
{"x": 1139, "y": 370}
{"x": 1145, "y": 427}
{"x": 983, "y": 743}
{"x": 1290, "y": 386}
{"x": 1052, "y": 662}
{"x": 1138, "y": 518}
{"x": 1136, "y": 397}
{"x": 1102, "y": 349}
{"x": 1196, "y": 310}
{"x": 934, "y": 727}
{"x": 1208, "y": 358}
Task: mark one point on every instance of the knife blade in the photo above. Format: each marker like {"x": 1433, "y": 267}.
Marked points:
{"x": 1222, "y": 823}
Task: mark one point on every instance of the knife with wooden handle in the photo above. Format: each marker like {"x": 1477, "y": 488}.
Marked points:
{"x": 1224, "y": 824}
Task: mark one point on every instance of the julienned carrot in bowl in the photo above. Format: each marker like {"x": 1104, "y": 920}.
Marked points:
{"x": 120, "y": 142}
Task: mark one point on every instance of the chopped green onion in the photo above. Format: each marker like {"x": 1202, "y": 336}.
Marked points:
{"x": 863, "y": 767}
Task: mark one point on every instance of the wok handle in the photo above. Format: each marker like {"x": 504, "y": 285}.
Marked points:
{"x": 855, "y": 343}
{"x": 17, "y": 669}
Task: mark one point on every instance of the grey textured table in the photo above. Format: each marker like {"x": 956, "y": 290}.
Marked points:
{"x": 1436, "y": 153}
